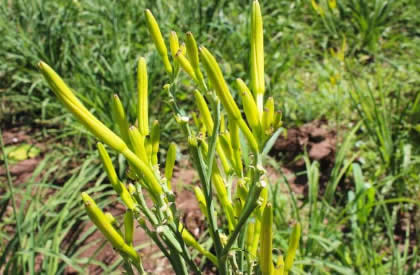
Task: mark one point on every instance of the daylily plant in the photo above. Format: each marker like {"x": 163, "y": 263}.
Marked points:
{"x": 231, "y": 178}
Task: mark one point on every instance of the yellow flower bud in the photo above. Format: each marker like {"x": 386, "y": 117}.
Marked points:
{"x": 201, "y": 200}
{"x": 216, "y": 78}
{"x": 192, "y": 50}
{"x": 266, "y": 254}
{"x": 332, "y": 4}
{"x": 128, "y": 227}
{"x": 236, "y": 145}
{"x": 143, "y": 94}
{"x": 250, "y": 232}
{"x": 185, "y": 64}
{"x": 226, "y": 145}
{"x": 120, "y": 117}
{"x": 191, "y": 241}
{"x": 173, "y": 43}
{"x": 69, "y": 100}
{"x": 204, "y": 111}
{"x": 257, "y": 54}
{"x": 113, "y": 178}
{"x": 154, "y": 139}
{"x": 170, "y": 163}
{"x": 218, "y": 82}
{"x": 222, "y": 195}
{"x": 279, "y": 269}
{"x": 66, "y": 96}
{"x": 137, "y": 142}
{"x": 250, "y": 107}
{"x": 102, "y": 223}
{"x": 268, "y": 116}
{"x": 158, "y": 39}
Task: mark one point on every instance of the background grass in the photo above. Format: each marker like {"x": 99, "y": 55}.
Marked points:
{"x": 356, "y": 66}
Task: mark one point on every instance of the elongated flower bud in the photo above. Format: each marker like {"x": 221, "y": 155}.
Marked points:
{"x": 223, "y": 198}
{"x": 113, "y": 178}
{"x": 185, "y": 64}
{"x": 226, "y": 146}
{"x": 143, "y": 94}
{"x": 266, "y": 256}
{"x": 109, "y": 168}
{"x": 158, "y": 39}
{"x": 65, "y": 95}
{"x": 120, "y": 117}
{"x": 191, "y": 241}
{"x": 183, "y": 49}
{"x": 149, "y": 148}
{"x": 241, "y": 190}
{"x": 216, "y": 78}
{"x": 250, "y": 231}
{"x": 293, "y": 246}
{"x": 69, "y": 100}
{"x": 268, "y": 116}
{"x": 279, "y": 269}
{"x": 204, "y": 111}
{"x": 201, "y": 200}
{"x": 128, "y": 227}
{"x": 137, "y": 142}
{"x": 250, "y": 107}
{"x": 236, "y": 145}
{"x": 170, "y": 163}
{"x": 192, "y": 50}
{"x": 222, "y": 123}
{"x": 154, "y": 139}
{"x": 173, "y": 43}
{"x": 257, "y": 54}
{"x": 102, "y": 223}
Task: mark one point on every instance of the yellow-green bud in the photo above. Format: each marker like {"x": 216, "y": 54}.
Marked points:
{"x": 69, "y": 100}
{"x": 268, "y": 116}
{"x": 143, "y": 94}
{"x": 279, "y": 269}
{"x": 192, "y": 50}
{"x": 120, "y": 117}
{"x": 173, "y": 43}
{"x": 128, "y": 227}
{"x": 158, "y": 40}
{"x": 155, "y": 138}
{"x": 257, "y": 54}
{"x": 236, "y": 145}
{"x": 113, "y": 178}
{"x": 137, "y": 142}
{"x": 191, "y": 241}
{"x": 204, "y": 111}
{"x": 201, "y": 200}
{"x": 250, "y": 231}
{"x": 185, "y": 64}
{"x": 250, "y": 107}
{"x": 218, "y": 82}
{"x": 266, "y": 255}
{"x": 170, "y": 163}
{"x": 103, "y": 224}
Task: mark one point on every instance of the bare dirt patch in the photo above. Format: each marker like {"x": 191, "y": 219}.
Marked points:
{"x": 317, "y": 140}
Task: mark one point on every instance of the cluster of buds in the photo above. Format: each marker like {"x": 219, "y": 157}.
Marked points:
{"x": 226, "y": 163}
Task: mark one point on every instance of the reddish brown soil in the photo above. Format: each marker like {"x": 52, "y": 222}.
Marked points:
{"x": 315, "y": 138}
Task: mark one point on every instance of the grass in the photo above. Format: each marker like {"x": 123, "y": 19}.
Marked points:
{"x": 356, "y": 67}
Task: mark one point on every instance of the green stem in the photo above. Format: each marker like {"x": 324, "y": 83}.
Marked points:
{"x": 12, "y": 194}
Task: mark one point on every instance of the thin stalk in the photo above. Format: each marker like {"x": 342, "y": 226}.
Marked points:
{"x": 12, "y": 194}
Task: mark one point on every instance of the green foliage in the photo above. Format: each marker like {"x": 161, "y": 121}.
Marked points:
{"x": 357, "y": 65}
